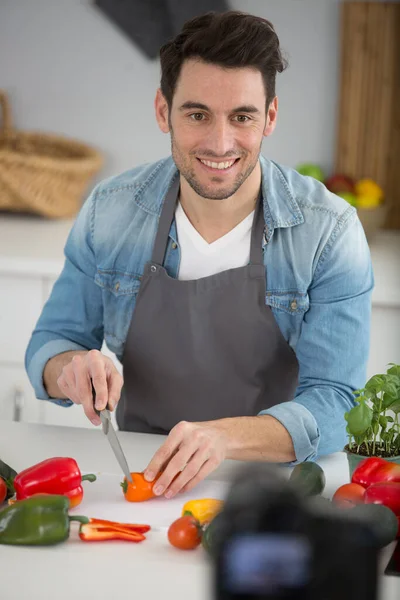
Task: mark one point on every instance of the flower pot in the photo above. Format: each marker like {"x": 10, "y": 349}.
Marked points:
{"x": 355, "y": 459}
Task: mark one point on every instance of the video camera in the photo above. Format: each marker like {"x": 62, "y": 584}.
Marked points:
{"x": 273, "y": 543}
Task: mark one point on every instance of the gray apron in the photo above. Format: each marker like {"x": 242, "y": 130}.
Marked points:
{"x": 202, "y": 349}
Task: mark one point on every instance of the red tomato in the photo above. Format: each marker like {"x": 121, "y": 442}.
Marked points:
{"x": 185, "y": 533}
{"x": 348, "y": 495}
{"x": 3, "y": 490}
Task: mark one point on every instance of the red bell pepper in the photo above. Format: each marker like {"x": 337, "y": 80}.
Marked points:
{"x": 386, "y": 493}
{"x": 60, "y": 476}
{"x": 375, "y": 470}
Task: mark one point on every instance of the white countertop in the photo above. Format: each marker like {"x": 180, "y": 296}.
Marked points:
{"x": 35, "y": 246}
{"x": 117, "y": 570}
{"x": 31, "y": 245}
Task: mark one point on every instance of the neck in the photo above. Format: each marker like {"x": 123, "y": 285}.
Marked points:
{"x": 215, "y": 218}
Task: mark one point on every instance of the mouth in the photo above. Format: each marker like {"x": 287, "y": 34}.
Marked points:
{"x": 219, "y": 167}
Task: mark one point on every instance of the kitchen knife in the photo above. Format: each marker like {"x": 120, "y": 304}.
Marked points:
{"x": 109, "y": 432}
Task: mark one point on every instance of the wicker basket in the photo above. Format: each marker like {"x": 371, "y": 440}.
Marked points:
{"x": 42, "y": 173}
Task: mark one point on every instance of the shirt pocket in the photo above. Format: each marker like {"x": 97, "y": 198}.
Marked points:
{"x": 288, "y": 308}
{"x": 119, "y": 290}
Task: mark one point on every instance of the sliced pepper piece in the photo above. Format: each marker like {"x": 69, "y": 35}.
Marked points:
{"x": 100, "y": 533}
{"x": 52, "y": 476}
{"x": 126, "y": 526}
{"x": 38, "y": 521}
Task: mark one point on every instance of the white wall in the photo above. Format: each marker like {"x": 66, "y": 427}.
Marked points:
{"x": 68, "y": 69}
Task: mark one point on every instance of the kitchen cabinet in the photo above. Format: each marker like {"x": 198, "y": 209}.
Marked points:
{"x": 31, "y": 258}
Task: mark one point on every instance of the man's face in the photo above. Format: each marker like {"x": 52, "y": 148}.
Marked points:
{"x": 217, "y": 122}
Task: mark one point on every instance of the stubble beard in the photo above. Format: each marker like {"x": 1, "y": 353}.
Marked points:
{"x": 207, "y": 192}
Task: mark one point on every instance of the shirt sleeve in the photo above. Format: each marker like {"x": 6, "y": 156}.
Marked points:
{"x": 333, "y": 346}
{"x": 72, "y": 318}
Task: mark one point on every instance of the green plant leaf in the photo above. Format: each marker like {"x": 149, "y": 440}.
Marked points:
{"x": 383, "y": 422}
{"x": 394, "y": 370}
{"x": 375, "y": 384}
{"x": 391, "y": 388}
{"x": 359, "y": 418}
{"x": 395, "y": 407}
{"x": 388, "y": 400}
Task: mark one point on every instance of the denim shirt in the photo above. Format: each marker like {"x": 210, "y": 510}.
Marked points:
{"x": 319, "y": 283}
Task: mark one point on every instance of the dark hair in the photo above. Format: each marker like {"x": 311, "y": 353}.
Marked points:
{"x": 231, "y": 39}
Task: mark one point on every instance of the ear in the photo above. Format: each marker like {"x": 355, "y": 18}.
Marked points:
{"x": 161, "y": 108}
{"x": 272, "y": 116}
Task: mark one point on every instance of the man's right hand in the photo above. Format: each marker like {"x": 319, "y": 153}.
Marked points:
{"x": 75, "y": 375}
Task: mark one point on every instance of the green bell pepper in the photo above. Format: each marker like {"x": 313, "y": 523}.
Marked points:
{"x": 37, "y": 521}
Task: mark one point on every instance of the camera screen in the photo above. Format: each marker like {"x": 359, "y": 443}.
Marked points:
{"x": 267, "y": 565}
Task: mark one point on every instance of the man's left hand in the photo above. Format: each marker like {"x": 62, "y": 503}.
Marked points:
{"x": 189, "y": 454}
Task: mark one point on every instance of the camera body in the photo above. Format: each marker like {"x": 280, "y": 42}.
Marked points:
{"x": 274, "y": 543}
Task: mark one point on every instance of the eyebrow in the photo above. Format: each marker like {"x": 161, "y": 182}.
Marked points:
{"x": 189, "y": 105}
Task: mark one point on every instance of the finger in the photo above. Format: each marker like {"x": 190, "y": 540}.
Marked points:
{"x": 175, "y": 466}
{"x": 164, "y": 453}
{"x": 90, "y": 413}
{"x": 189, "y": 472}
{"x": 97, "y": 374}
{"x": 115, "y": 383}
{"x": 207, "y": 468}
{"x": 83, "y": 384}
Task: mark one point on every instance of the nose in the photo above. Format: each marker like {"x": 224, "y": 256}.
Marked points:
{"x": 220, "y": 139}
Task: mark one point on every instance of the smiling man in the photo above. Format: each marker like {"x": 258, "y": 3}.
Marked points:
{"x": 235, "y": 291}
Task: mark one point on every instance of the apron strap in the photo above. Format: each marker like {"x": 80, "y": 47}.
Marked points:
{"x": 257, "y": 233}
{"x": 167, "y": 216}
{"x": 164, "y": 226}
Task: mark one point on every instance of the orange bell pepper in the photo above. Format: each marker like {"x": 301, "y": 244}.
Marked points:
{"x": 139, "y": 490}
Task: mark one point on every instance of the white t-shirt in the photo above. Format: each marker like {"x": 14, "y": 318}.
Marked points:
{"x": 201, "y": 259}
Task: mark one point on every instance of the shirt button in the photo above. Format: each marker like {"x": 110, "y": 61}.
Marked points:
{"x": 153, "y": 269}
{"x": 174, "y": 245}
{"x": 116, "y": 287}
{"x": 293, "y": 305}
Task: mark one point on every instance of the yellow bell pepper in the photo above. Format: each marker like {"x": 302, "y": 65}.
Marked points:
{"x": 203, "y": 510}
{"x": 369, "y": 194}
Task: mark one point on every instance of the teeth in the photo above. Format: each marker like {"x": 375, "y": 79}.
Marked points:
{"x": 221, "y": 165}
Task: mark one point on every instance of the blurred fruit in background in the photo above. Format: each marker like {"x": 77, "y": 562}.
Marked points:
{"x": 365, "y": 195}
{"x": 340, "y": 184}
{"x": 369, "y": 194}
{"x": 311, "y": 170}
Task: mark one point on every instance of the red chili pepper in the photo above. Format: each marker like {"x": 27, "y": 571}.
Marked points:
{"x": 59, "y": 476}
{"x": 374, "y": 470}
{"x": 99, "y": 533}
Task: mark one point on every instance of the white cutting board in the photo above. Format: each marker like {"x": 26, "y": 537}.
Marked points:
{"x": 104, "y": 499}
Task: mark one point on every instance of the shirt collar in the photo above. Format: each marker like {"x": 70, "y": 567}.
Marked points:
{"x": 280, "y": 206}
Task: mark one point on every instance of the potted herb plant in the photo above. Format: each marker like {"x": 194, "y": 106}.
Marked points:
{"x": 373, "y": 425}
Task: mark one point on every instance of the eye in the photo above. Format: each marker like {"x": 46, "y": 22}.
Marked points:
{"x": 197, "y": 116}
{"x": 242, "y": 118}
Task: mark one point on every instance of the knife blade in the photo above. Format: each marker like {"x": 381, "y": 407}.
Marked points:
{"x": 111, "y": 435}
{"x": 109, "y": 432}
